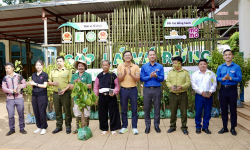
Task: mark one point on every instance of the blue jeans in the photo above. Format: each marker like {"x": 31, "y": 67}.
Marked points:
{"x": 131, "y": 94}
{"x": 200, "y": 103}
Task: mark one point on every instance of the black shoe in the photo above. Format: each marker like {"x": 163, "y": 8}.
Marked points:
{"x": 233, "y": 132}
{"x": 198, "y": 131}
{"x": 23, "y": 131}
{"x": 171, "y": 130}
{"x": 10, "y": 132}
{"x": 68, "y": 130}
{"x": 223, "y": 130}
{"x": 75, "y": 132}
{"x": 206, "y": 131}
{"x": 147, "y": 130}
{"x": 157, "y": 129}
{"x": 185, "y": 132}
{"x": 56, "y": 131}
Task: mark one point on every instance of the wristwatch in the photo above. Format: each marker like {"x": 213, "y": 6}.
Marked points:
{"x": 37, "y": 84}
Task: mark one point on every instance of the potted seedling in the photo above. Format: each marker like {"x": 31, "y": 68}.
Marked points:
{"x": 83, "y": 99}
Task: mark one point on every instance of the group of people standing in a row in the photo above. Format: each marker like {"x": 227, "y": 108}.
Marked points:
{"x": 107, "y": 86}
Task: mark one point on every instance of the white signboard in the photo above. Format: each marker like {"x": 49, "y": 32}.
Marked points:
{"x": 190, "y": 69}
{"x": 179, "y": 22}
{"x": 92, "y": 26}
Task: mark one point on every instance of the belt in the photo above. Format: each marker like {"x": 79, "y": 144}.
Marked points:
{"x": 152, "y": 87}
{"x": 178, "y": 93}
{"x": 107, "y": 93}
{"x": 228, "y": 86}
{"x": 128, "y": 88}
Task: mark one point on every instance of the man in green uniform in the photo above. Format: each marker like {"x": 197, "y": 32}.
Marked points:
{"x": 84, "y": 77}
{"x": 178, "y": 80}
{"x": 60, "y": 79}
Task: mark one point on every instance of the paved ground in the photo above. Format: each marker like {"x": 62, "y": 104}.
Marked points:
{"x": 155, "y": 141}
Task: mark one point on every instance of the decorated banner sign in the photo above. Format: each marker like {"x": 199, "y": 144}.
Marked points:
{"x": 190, "y": 69}
{"x": 103, "y": 35}
{"x": 174, "y": 35}
{"x": 66, "y": 37}
{"x": 142, "y": 58}
{"x": 186, "y": 22}
{"x": 87, "y": 25}
{"x": 79, "y": 36}
{"x": 91, "y": 36}
{"x": 193, "y": 32}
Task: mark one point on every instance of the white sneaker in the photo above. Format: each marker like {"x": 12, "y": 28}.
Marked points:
{"x": 37, "y": 130}
{"x": 43, "y": 131}
{"x": 135, "y": 131}
{"x": 123, "y": 130}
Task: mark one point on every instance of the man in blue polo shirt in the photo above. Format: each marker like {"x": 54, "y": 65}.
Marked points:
{"x": 152, "y": 74}
{"x": 229, "y": 74}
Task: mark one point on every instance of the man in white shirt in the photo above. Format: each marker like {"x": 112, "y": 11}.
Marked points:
{"x": 204, "y": 83}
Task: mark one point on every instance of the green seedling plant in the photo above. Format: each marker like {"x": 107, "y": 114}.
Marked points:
{"x": 83, "y": 98}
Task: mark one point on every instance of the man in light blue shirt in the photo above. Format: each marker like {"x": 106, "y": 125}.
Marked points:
{"x": 152, "y": 74}
{"x": 229, "y": 74}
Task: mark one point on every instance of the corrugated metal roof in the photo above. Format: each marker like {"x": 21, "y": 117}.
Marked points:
{"x": 26, "y": 19}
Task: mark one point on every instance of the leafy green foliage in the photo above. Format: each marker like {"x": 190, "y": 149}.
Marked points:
{"x": 83, "y": 98}
{"x": 165, "y": 98}
{"x": 28, "y": 90}
{"x": 217, "y": 59}
{"x": 18, "y": 66}
{"x": 191, "y": 98}
{"x": 140, "y": 101}
{"x": 245, "y": 68}
{"x": 233, "y": 42}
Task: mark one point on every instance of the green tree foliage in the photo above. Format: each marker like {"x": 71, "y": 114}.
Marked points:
{"x": 245, "y": 68}
{"x": 233, "y": 42}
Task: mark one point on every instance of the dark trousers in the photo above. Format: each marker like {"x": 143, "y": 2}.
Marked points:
{"x": 200, "y": 103}
{"x": 10, "y": 105}
{"x": 148, "y": 96}
{"x": 180, "y": 101}
{"x": 65, "y": 102}
{"x": 108, "y": 104}
{"x": 228, "y": 96}
{"x": 39, "y": 104}
{"x": 131, "y": 94}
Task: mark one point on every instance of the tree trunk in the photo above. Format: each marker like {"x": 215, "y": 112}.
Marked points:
{"x": 83, "y": 119}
